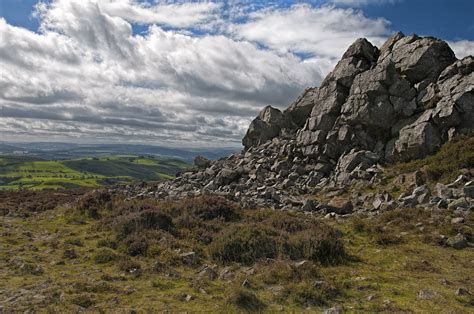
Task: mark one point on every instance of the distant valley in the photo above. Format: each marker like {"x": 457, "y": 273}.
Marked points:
{"x": 40, "y": 166}
{"x": 29, "y": 172}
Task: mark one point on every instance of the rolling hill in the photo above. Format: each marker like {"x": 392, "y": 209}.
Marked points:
{"x": 35, "y": 173}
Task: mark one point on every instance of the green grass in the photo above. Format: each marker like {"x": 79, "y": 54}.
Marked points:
{"x": 104, "y": 278}
{"x": 444, "y": 165}
{"x": 32, "y": 173}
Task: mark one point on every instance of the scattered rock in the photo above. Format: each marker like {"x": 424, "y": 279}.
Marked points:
{"x": 462, "y": 291}
{"x": 457, "y": 220}
{"x": 201, "y": 162}
{"x": 458, "y": 241}
{"x": 334, "y": 310}
{"x": 427, "y": 294}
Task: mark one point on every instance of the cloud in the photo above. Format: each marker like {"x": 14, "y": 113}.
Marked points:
{"x": 357, "y": 3}
{"x": 322, "y": 31}
{"x": 178, "y": 15}
{"x": 462, "y": 48}
{"x": 86, "y": 69}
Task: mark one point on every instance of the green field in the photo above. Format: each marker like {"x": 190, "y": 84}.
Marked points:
{"x": 34, "y": 173}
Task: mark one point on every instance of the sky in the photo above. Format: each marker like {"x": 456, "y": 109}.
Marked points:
{"x": 185, "y": 73}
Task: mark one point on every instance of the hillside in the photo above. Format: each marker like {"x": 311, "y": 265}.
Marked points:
{"x": 31, "y": 172}
{"x": 359, "y": 197}
{"x": 100, "y": 252}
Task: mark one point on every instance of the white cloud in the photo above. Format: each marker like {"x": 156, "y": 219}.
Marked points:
{"x": 171, "y": 14}
{"x": 357, "y": 3}
{"x": 323, "y": 31}
{"x": 87, "y": 75}
{"x": 462, "y": 48}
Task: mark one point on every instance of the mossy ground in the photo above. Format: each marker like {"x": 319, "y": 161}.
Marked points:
{"x": 63, "y": 273}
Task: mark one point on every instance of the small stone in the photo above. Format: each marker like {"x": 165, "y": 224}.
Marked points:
{"x": 70, "y": 254}
{"x": 468, "y": 191}
{"x": 334, "y": 310}
{"x": 189, "y": 258}
{"x": 426, "y": 294}
{"x": 371, "y": 297}
{"x": 319, "y": 283}
{"x": 457, "y": 220}
{"x": 462, "y": 291}
{"x": 458, "y": 241}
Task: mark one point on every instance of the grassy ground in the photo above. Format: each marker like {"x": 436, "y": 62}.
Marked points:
{"x": 30, "y": 173}
{"x": 64, "y": 260}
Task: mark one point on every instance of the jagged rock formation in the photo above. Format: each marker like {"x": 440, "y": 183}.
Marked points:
{"x": 399, "y": 102}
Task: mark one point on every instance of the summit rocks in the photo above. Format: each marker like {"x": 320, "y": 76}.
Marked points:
{"x": 378, "y": 106}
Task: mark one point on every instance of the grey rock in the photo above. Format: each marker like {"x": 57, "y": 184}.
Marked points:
{"x": 427, "y": 294}
{"x": 201, "y": 162}
{"x": 309, "y": 205}
{"x": 417, "y": 140}
{"x": 462, "y": 291}
{"x": 458, "y": 241}
{"x": 459, "y": 203}
{"x": 457, "y": 220}
{"x": 443, "y": 191}
{"x": 334, "y": 310}
{"x": 468, "y": 191}
{"x": 265, "y": 127}
{"x": 354, "y": 158}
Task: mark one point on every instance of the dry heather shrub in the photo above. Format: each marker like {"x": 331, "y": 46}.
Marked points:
{"x": 93, "y": 203}
{"x": 244, "y": 244}
{"x": 146, "y": 220}
{"x": 142, "y": 243}
{"x": 387, "y": 239}
{"x": 245, "y": 300}
{"x": 321, "y": 245}
{"x": 289, "y": 222}
{"x": 287, "y": 271}
{"x": 105, "y": 256}
{"x": 248, "y": 243}
{"x": 305, "y": 293}
{"x": 210, "y": 207}
{"x": 128, "y": 265}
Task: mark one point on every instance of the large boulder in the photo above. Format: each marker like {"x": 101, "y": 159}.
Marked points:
{"x": 421, "y": 59}
{"x": 266, "y": 126}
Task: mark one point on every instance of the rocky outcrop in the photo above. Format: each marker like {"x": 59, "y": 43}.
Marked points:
{"x": 377, "y": 106}
{"x": 268, "y": 125}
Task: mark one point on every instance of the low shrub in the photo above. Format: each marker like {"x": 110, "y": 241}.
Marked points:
{"x": 129, "y": 265}
{"x": 387, "y": 239}
{"x": 144, "y": 220}
{"x": 83, "y": 300}
{"x": 359, "y": 225}
{"x": 244, "y": 244}
{"x": 93, "y": 203}
{"x": 75, "y": 242}
{"x": 289, "y": 222}
{"x": 287, "y": 271}
{"x": 245, "y": 300}
{"x": 321, "y": 245}
{"x": 107, "y": 243}
{"x": 211, "y": 207}
{"x": 105, "y": 256}
{"x": 307, "y": 294}
{"x": 70, "y": 254}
